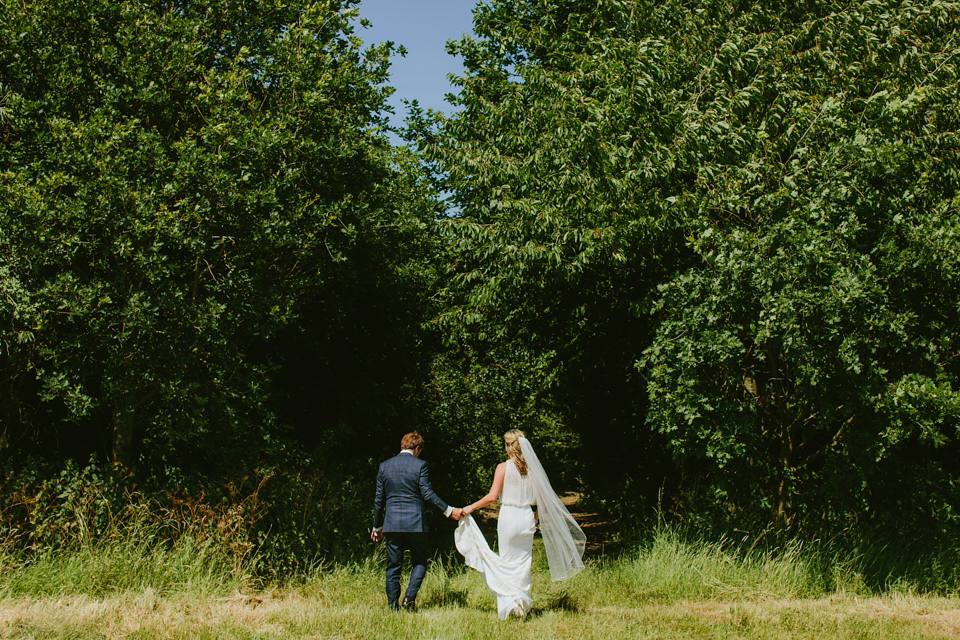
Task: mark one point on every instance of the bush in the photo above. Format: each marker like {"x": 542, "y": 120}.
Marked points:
{"x": 264, "y": 525}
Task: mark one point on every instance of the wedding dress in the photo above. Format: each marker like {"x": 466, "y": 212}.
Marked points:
{"x": 507, "y": 575}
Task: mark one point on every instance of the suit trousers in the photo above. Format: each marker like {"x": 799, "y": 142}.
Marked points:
{"x": 396, "y": 543}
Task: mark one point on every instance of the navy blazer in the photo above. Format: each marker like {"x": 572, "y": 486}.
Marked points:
{"x": 403, "y": 483}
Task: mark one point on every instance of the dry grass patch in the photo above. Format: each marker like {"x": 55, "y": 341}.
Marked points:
{"x": 920, "y": 616}
{"x": 290, "y": 615}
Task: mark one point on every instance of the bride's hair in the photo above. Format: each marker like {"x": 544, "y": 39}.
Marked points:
{"x": 512, "y": 438}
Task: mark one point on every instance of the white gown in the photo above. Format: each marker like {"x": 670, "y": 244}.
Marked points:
{"x": 508, "y": 574}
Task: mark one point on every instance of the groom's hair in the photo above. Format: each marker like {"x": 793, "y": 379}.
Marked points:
{"x": 411, "y": 441}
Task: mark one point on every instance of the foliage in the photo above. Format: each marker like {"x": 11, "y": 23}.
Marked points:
{"x": 96, "y": 532}
{"x": 475, "y": 402}
{"x": 705, "y": 253}
{"x": 729, "y": 232}
{"x": 806, "y": 360}
{"x": 309, "y": 520}
{"x": 280, "y": 522}
{"x": 197, "y": 201}
{"x": 556, "y": 252}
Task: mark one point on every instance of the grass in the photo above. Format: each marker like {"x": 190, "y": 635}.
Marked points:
{"x": 135, "y": 559}
{"x": 670, "y": 588}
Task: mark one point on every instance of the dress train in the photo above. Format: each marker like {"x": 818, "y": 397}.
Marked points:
{"x": 507, "y": 575}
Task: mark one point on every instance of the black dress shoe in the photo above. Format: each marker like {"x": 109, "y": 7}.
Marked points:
{"x": 393, "y": 606}
{"x": 409, "y": 604}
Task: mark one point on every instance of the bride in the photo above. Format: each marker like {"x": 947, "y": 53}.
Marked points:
{"x": 520, "y": 482}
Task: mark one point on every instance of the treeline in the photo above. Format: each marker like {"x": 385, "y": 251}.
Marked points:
{"x": 707, "y": 254}
{"x": 722, "y": 237}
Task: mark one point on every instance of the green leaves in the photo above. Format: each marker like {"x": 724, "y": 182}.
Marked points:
{"x": 711, "y": 245}
{"x": 756, "y": 178}
{"x": 178, "y": 188}
{"x": 804, "y": 249}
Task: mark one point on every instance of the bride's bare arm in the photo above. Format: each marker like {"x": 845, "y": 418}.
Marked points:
{"x": 494, "y": 490}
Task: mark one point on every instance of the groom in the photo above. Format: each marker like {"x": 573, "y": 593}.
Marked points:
{"x": 403, "y": 483}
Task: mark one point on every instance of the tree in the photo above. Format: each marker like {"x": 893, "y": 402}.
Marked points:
{"x": 564, "y": 230}
{"x": 806, "y": 361}
{"x": 730, "y": 229}
{"x": 183, "y": 188}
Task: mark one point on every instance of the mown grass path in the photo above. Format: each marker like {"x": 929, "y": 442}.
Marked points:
{"x": 295, "y": 616}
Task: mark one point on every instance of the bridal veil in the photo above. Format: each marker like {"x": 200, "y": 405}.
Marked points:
{"x": 563, "y": 539}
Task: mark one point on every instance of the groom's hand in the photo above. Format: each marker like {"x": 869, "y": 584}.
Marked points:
{"x": 456, "y": 514}
{"x": 376, "y": 535}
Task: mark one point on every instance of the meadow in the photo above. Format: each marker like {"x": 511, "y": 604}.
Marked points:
{"x": 669, "y": 587}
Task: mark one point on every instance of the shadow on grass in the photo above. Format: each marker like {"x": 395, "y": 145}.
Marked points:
{"x": 446, "y": 598}
{"x": 458, "y": 598}
{"x": 561, "y": 602}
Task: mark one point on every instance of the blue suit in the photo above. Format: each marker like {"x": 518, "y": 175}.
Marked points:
{"x": 403, "y": 484}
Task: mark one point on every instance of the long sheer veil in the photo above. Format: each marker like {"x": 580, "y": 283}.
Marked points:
{"x": 563, "y": 538}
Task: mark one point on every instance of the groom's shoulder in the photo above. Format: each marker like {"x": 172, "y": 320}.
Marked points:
{"x": 398, "y": 460}
{"x": 403, "y": 461}
{"x": 388, "y": 461}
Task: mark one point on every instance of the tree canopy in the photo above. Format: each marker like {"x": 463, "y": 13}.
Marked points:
{"x": 199, "y": 201}
{"x": 706, "y": 253}
{"x": 730, "y": 229}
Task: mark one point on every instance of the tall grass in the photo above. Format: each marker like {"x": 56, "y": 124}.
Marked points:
{"x": 673, "y": 564}
{"x": 139, "y": 553}
{"x": 139, "y": 582}
{"x": 675, "y": 567}
{"x": 128, "y": 566}
{"x": 670, "y": 567}
{"x": 134, "y": 553}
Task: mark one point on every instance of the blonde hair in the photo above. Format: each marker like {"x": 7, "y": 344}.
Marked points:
{"x": 512, "y": 438}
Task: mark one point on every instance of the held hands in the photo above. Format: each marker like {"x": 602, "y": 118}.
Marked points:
{"x": 457, "y": 513}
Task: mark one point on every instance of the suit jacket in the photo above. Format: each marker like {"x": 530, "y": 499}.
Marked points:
{"x": 403, "y": 483}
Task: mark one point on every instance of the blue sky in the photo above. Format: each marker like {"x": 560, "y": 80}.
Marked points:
{"x": 423, "y": 27}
